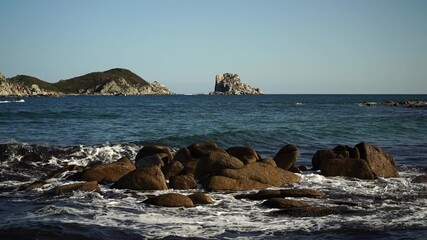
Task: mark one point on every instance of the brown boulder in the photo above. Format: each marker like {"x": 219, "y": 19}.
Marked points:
{"x": 57, "y": 173}
{"x": 308, "y": 211}
{"x": 263, "y": 173}
{"x": 110, "y": 172}
{"x": 269, "y": 161}
{"x": 148, "y": 178}
{"x": 381, "y": 163}
{"x": 215, "y": 161}
{"x": 245, "y": 154}
{"x": 287, "y": 156}
{"x": 150, "y": 150}
{"x": 199, "y": 149}
{"x": 182, "y": 182}
{"x": 173, "y": 168}
{"x": 283, "y": 193}
{"x": 184, "y": 157}
{"x": 200, "y": 198}
{"x": 157, "y": 159}
{"x": 357, "y": 168}
{"x": 170, "y": 200}
{"x": 218, "y": 183}
{"x": 284, "y": 203}
{"x": 86, "y": 187}
{"x": 420, "y": 179}
{"x": 323, "y": 155}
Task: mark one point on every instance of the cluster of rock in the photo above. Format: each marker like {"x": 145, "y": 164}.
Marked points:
{"x": 407, "y": 103}
{"x": 20, "y": 90}
{"x": 230, "y": 84}
{"x": 207, "y": 166}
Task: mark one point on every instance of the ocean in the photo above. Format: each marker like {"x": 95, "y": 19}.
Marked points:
{"x": 84, "y": 129}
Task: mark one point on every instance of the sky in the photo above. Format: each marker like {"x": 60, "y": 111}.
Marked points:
{"x": 280, "y": 46}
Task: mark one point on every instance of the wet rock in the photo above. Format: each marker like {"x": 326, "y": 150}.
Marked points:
{"x": 221, "y": 183}
{"x": 294, "y": 170}
{"x": 154, "y": 160}
{"x": 284, "y": 203}
{"x": 182, "y": 182}
{"x": 150, "y": 150}
{"x": 148, "y": 178}
{"x": 200, "y": 149}
{"x": 32, "y": 186}
{"x": 420, "y": 179}
{"x": 303, "y": 168}
{"x": 105, "y": 173}
{"x": 287, "y": 157}
{"x": 381, "y": 163}
{"x": 85, "y": 187}
{"x": 308, "y": 211}
{"x": 215, "y": 161}
{"x": 200, "y": 198}
{"x": 263, "y": 173}
{"x": 185, "y": 158}
{"x": 173, "y": 168}
{"x": 170, "y": 200}
{"x": 282, "y": 193}
{"x": 357, "y": 168}
{"x": 245, "y": 154}
{"x": 59, "y": 172}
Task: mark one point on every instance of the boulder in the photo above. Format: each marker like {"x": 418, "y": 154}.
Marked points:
{"x": 185, "y": 158}
{"x": 200, "y": 198}
{"x": 420, "y": 179}
{"x": 379, "y": 162}
{"x": 105, "y": 173}
{"x": 245, "y": 154}
{"x": 382, "y": 164}
{"x": 200, "y": 149}
{"x": 173, "y": 168}
{"x": 85, "y": 187}
{"x": 284, "y": 203}
{"x": 150, "y": 150}
{"x": 215, "y": 161}
{"x": 263, "y": 173}
{"x": 221, "y": 183}
{"x": 269, "y": 161}
{"x": 317, "y": 211}
{"x": 283, "y": 193}
{"x": 148, "y": 178}
{"x": 157, "y": 159}
{"x": 57, "y": 173}
{"x": 357, "y": 168}
{"x": 32, "y": 186}
{"x": 170, "y": 200}
{"x": 182, "y": 182}
{"x": 287, "y": 157}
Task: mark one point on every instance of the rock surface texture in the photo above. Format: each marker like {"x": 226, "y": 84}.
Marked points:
{"x": 230, "y": 84}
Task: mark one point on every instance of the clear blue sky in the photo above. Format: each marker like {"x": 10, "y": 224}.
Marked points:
{"x": 320, "y": 46}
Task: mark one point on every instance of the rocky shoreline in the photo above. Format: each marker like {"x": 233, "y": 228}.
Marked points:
{"x": 203, "y": 168}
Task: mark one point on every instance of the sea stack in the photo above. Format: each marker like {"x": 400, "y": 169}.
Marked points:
{"x": 230, "y": 84}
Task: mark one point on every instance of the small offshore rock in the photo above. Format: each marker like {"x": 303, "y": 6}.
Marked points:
{"x": 308, "y": 211}
{"x": 200, "y": 198}
{"x": 170, "y": 200}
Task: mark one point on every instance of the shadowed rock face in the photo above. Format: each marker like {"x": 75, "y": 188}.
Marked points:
{"x": 230, "y": 84}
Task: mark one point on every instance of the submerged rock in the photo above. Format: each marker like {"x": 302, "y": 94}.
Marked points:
{"x": 86, "y": 187}
{"x": 420, "y": 179}
{"x": 282, "y": 193}
{"x": 284, "y": 203}
{"x": 200, "y": 198}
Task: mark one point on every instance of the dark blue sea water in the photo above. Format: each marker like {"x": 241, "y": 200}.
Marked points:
{"x": 81, "y": 129}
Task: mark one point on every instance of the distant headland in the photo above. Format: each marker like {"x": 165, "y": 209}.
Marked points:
{"x": 113, "y": 82}
{"x": 117, "y": 81}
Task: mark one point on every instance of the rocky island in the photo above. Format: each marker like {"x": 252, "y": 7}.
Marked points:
{"x": 117, "y": 81}
{"x": 230, "y": 84}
